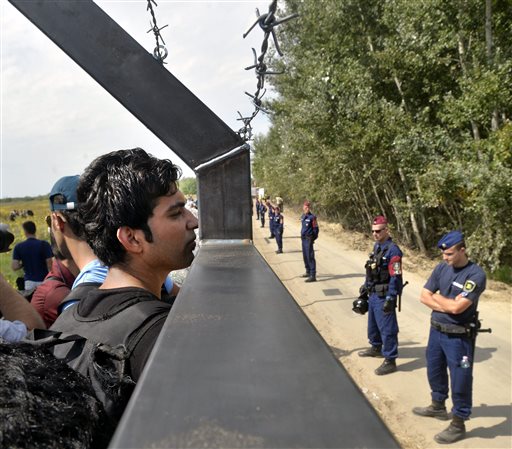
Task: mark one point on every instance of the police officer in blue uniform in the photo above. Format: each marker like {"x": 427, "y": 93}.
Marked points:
{"x": 383, "y": 284}
{"x": 257, "y": 207}
{"x": 278, "y": 228}
{"x": 263, "y": 210}
{"x": 308, "y": 235}
{"x": 452, "y": 292}
{"x": 271, "y": 214}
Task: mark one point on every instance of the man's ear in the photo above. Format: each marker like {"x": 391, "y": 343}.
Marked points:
{"x": 131, "y": 239}
{"x": 58, "y": 221}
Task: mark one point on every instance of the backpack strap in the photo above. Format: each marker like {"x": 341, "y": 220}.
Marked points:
{"x": 76, "y": 295}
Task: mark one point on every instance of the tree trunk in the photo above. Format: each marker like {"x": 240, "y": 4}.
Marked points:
{"x": 488, "y": 48}
{"x": 403, "y": 229}
{"x": 422, "y": 215}
{"x": 361, "y": 198}
{"x": 462, "y": 61}
{"x": 377, "y": 197}
{"x": 412, "y": 216}
{"x": 398, "y": 85}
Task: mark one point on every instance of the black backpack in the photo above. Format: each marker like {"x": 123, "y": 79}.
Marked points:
{"x": 100, "y": 347}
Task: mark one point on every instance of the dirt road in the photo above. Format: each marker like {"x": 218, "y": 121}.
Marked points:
{"x": 328, "y": 305}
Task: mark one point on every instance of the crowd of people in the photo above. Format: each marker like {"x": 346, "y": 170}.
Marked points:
{"x": 452, "y": 293}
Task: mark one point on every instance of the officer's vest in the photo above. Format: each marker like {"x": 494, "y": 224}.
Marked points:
{"x": 100, "y": 347}
{"x": 377, "y": 273}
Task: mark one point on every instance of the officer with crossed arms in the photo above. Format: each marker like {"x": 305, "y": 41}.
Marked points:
{"x": 452, "y": 292}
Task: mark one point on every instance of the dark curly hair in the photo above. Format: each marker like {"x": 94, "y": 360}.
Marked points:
{"x": 120, "y": 189}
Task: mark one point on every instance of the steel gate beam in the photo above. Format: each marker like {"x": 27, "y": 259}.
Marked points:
{"x": 239, "y": 365}
{"x": 226, "y": 180}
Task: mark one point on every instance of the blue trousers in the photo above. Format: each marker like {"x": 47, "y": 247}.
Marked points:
{"x": 271, "y": 226}
{"x": 308, "y": 253}
{"x": 279, "y": 238}
{"x": 382, "y": 327}
{"x": 262, "y": 219}
{"x": 444, "y": 353}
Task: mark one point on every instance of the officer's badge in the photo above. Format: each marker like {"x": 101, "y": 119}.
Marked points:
{"x": 469, "y": 286}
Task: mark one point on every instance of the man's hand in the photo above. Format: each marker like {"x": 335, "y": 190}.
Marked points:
{"x": 389, "y": 305}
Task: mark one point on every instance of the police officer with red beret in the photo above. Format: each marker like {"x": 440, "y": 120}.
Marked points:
{"x": 452, "y": 292}
{"x": 383, "y": 284}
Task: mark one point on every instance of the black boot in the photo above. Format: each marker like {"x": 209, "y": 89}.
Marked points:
{"x": 388, "y": 366}
{"x": 434, "y": 410}
{"x": 305, "y": 275}
{"x": 374, "y": 351}
{"x": 454, "y": 432}
{"x": 311, "y": 279}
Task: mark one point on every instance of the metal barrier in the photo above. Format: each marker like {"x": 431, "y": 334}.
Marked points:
{"x": 237, "y": 364}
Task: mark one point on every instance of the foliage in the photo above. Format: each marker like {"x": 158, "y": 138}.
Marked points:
{"x": 400, "y": 107}
{"x": 188, "y": 186}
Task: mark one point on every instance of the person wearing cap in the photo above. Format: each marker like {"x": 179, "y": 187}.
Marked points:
{"x": 383, "y": 284}
{"x": 452, "y": 292}
{"x": 67, "y": 230}
{"x": 33, "y": 255}
{"x": 263, "y": 210}
{"x": 308, "y": 235}
{"x": 271, "y": 215}
{"x": 278, "y": 228}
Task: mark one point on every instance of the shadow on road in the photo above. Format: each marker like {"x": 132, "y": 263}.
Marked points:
{"x": 504, "y": 428}
{"x": 330, "y": 277}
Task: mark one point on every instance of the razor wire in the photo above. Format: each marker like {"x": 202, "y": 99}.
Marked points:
{"x": 267, "y": 23}
{"x": 160, "y": 52}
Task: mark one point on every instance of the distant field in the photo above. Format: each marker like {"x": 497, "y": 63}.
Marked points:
{"x": 39, "y": 206}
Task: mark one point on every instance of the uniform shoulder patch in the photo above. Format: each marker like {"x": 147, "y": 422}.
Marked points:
{"x": 469, "y": 286}
{"x": 395, "y": 266}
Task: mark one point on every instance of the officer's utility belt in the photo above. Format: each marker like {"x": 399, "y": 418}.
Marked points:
{"x": 379, "y": 289}
{"x": 451, "y": 329}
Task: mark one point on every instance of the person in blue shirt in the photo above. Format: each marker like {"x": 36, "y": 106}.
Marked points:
{"x": 17, "y": 316}
{"x": 33, "y": 255}
{"x": 278, "y": 229}
{"x": 452, "y": 292}
{"x": 308, "y": 235}
{"x": 383, "y": 284}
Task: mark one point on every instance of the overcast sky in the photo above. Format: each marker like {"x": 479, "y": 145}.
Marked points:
{"x": 55, "y": 118}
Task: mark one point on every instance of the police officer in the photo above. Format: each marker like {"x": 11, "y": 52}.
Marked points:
{"x": 308, "y": 235}
{"x": 257, "y": 207}
{"x": 383, "y": 284}
{"x": 278, "y": 228}
{"x": 263, "y": 210}
{"x": 452, "y": 292}
{"x": 271, "y": 214}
